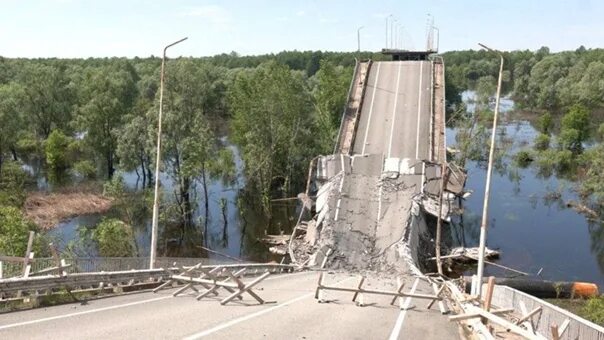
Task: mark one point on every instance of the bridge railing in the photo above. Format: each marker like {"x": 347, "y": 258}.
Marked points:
{"x": 103, "y": 264}
{"x": 345, "y": 109}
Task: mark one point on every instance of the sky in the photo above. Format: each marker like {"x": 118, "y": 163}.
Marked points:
{"x": 80, "y": 29}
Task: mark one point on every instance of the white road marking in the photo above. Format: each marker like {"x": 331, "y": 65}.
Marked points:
{"x": 398, "y": 81}
{"x": 419, "y": 109}
{"x": 63, "y": 316}
{"x": 337, "y": 210}
{"x": 377, "y": 76}
{"x": 401, "y": 317}
{"x": 253, "y": 315}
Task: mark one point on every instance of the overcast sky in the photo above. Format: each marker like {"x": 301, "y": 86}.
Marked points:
{"x": 79, "y": 28}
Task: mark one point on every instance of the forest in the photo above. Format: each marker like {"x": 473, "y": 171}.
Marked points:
{"x": 93, "y": 119}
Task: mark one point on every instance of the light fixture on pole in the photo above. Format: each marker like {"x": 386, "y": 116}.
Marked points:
{"x": 359, "y": 39}
{"x": 154, "y": 223}
{"x": 485, "y": 208}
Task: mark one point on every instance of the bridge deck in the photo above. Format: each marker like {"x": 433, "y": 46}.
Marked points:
{"x": 396, "y": 114}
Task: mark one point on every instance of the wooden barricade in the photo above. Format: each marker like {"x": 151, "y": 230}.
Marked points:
{"x": 359, "y": 291}
{"x": 213, "y": 280}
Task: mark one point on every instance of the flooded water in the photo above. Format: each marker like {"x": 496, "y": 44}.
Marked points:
{"x": 533, "y": 229}
{"x": 243, "y": 228}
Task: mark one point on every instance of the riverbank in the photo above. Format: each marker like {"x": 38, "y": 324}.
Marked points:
{"x": 48, "y": 209}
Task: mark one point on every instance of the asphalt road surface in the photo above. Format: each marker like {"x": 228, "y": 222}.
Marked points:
{"x": 294, "y": 315}
{"x": 396, "y": 113}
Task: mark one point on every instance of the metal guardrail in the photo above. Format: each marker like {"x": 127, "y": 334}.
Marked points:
{"x": 107, "y": 264}
{"x": 74, "y": 282}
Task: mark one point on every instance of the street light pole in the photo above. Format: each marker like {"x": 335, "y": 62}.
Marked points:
{"x": 400, "y": 38}
{"x": 155, "y": 219}
{"x": 392, "y": 30}
{"x": 359, "y": 39}
{"x": 485, "y": 208}
{"x": 387, "y": 28}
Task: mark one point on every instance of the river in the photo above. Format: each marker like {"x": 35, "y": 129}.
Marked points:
{"x": 533, "y": 229}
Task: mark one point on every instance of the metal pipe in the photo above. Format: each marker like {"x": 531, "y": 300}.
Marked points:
{"x": 155, "y": 218}
{"x": 487, "y": 190}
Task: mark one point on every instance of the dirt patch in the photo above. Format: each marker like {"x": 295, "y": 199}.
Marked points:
{"x": 47, "y": 210}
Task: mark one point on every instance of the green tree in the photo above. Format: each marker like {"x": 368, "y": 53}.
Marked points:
{"x": 274, "y": 128}
{"x": 48, "y": 99}
{"x": 11, "y": 121}
{"x": 109, "y": 95}
{"x": 545, "y": 123}
{"x": 114, "y": 238}
{"x": 14, "y": 231}
{"x": 56, "y": 151}
{"x": 574, "y": 128}
{"x": 329, "y": 97}
{"x": 189, "y": 142}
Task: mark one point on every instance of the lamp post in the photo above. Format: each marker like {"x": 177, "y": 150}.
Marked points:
{"x": 392, "y": 33}
{"x": 437, "y": 37}
{"x": 359, "y": 39}
{"x": 387, "y": 28}
{"x": 485, "y": 208}
{"x": 155, "y": 219}
{"x": 400, "y": 38}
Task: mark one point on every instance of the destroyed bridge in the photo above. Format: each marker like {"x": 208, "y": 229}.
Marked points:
{"x": 358, "y": 254}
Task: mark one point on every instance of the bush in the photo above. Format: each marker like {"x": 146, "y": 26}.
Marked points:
{"x": 12, "y": 185}
{"x": 14, "y": 231}
{"x": 114, "y": 238}
{"x": 523, "y": 158}
{"x": 86, "y": 169}
{"x": 559, "y": 160}
{"x": 594, "y": 310}
{"x": 542, "y": 142}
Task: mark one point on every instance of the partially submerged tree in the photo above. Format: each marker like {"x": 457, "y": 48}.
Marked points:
{"x": 274, "y": 127}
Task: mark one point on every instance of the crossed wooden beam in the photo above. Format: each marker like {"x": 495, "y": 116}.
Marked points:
{"x": 214, "y": 279}
{"x": 359, "y": 291}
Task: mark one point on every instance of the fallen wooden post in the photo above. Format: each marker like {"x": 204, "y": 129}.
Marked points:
{"x": 459, "y": 317}
{"x": 504, "y": 323}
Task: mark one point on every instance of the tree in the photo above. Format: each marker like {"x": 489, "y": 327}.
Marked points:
{"x": 109, "y": 94}
{"x": 574, "y": 128}
{"x": 329, "y": 97}
{"x": 188, "y": 140}
{"x": 273, "y": 126}
{"x": 10, "y": 119}
{"x": 48, "y": 98}
{"x": 56, "y": 151}
{"x": 545, "y": 123}
{"x": 114, "y": 238}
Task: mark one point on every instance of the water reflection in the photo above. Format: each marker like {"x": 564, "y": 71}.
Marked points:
{"x": 234, "y": 221}
{"x": 529, "y": 221}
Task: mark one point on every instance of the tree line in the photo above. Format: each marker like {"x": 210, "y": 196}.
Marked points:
{"x": 536, "y": 80}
